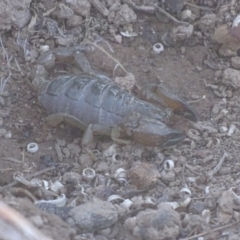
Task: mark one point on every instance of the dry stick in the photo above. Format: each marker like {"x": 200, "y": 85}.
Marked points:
{"x": 169, "y": 15}
{"x": 5, "y": 169}
{"x": 183, "y": 176}
{"x": 19, "y": 225}
{"x": 197, "y": 100}
{"x": 147, "y": 9}
{"x": 218, "y": 166}
{"x": 4, "y": 81}
{"x": 110, "y": 56}
{"x": 213, "y": 230}
{"x": 29, "y": 176}
{"x": 25, "y": 192}
{"x": 114, "y": 59}
{"x": 199, "y": 7}
{"x": 102, "y": 40}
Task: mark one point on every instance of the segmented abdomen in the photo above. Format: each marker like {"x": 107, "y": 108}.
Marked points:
{"x": 93, "y": 100}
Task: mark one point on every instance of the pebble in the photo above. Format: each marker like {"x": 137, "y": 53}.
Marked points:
{"x": 37, "y": 221}
{"x": 183, "y": 50}
{"x": 195, "y": 97}
{"x": 168, "y": 176}
{"x": 8, "y": 135}
{"x": 235, "y": 61}
{"x": 74, "y": 149}
{"x": 118, "y": 38}
{"x": 66, "y": 152}
{"x": 88, "y": 217}
{"x": 74, "y": 21}
{"x": 85, "y": 160}
{"x": 226, "y": 52}
{"x": 81, "y": 7}
{"x": 218, "y": 74}
{"x": 102, "y": 167}
{"x": 231, "y": 77}
{"x": 152, "y": 224}
{"x": 93, "y": 216}
{"x": 216, "y": 108}
{"x": 143, "y": 175}
{"x": 207, "y": 21}
{"x": 61, "y": 142}
{"x": 199, "y": 69}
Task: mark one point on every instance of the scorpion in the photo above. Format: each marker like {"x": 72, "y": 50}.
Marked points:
{"x": 92, "y": 102}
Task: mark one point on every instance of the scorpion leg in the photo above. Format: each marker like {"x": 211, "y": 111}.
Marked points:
{"x": 160, "y": 95}
{"x": 115, "y": 136}
{"x": 98, "y": 129}
{"x": 94, "y": 129}
{"x": 55, "y": 119}
{"x": 89, "y": 131}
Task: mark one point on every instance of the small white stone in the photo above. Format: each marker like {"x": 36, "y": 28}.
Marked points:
{"x": 223, "y": 129}
{"x": 231, "y": 77}
{"x": 8, "y": 135}
{"x": 118, "y": 38}
{"x": 235, "y": 61}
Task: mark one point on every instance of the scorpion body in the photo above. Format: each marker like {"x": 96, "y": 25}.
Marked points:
{"x": 92, "y": 102}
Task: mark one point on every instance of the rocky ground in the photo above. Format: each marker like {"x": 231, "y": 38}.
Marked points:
{"x": 190, "y": 191}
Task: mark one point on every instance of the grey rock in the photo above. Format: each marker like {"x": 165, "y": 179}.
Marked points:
{"x": 87, "y": 217}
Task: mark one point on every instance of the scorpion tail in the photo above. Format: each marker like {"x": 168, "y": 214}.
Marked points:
{"x": 163, "y": 97}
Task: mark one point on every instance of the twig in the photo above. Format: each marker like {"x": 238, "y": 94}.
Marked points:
{"x": 17, "y": 64}
{"x": 102, "y": 40}
{"x": 197, "y": 100}
{"x": 183, "y": 176}
{"x": 25, "y": 192}
{"x": 46, "y": 14}
{"x": 4, "y": 50}
{"x": 146, "y": 9}
{"x": 16, "y": 226}
{"x": 5, "y": 169}
{"x": 211, "y": 231}
{"x": 217, "y": 167}
{"x": 28, "y": 177}
{"x": 4, "y": 81}
{"x": 169, "y": 15}
{"x": 104, "y": 51}
{"x": 199, "y": 7}
{"x": 207, "y": 85}
{"x": 25, "y": 46}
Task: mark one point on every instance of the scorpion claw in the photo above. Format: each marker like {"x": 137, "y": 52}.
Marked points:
{"x": 152, "y": 132}
{"x": 159, "y": 95}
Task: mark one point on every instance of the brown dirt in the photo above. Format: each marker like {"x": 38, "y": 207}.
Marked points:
{"x": 177, "y": 70}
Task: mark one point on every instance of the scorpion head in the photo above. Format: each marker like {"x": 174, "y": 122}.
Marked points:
{"x": 151, "y": 132}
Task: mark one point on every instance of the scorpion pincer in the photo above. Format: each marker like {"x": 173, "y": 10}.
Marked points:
{"x": 95, "y": 104}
